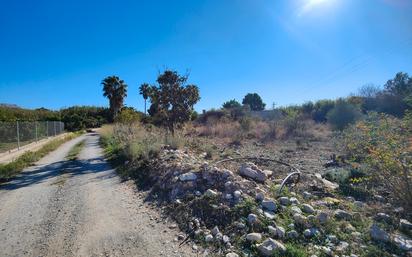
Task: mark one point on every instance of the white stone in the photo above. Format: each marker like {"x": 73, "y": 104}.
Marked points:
{"x": 296, "y": 209}
{"x": 190, "y": 176}
{"x": 208, "y": 238}
{"x": 308, "y": 208}
{"x": 254, "y": 237}
{"x": 250, "y": 170}
{"x": 294, "y": 200}
{"x": 215, "y": 231}
{"x": 402, "y": 242}
{"x": 405, "y": 225}
{"x": 237, "y": 194}
{"x": 252, "y": 218}
{"x": 269, "y": 247}
{"x": 210, "y": 193}
{"x": 232, "y": 255}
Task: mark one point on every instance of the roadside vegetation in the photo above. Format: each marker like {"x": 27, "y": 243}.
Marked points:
{"x": 354, "y": 196}
{"x": 10, "y": 170}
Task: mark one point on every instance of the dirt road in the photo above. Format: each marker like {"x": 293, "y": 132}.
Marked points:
{"x": 80, "y": 208}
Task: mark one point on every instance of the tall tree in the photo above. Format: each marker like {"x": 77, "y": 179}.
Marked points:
{"x": 254, "y": 101}
{"x": 144, "y": 90}
{"x": 231, "y": 104}
{"x": 173, "y": 99}
{"x": 115, "y": 90}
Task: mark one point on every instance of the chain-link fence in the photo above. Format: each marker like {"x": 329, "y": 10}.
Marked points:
{"x": 14, "y": 135}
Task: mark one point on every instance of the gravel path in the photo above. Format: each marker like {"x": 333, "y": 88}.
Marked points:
{"x": 80, "y": 208}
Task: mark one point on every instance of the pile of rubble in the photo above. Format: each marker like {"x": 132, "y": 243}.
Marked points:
{"x": 195, "y": 187}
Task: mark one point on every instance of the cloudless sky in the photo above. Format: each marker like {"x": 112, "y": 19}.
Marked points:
{"x": 54, "y": 54}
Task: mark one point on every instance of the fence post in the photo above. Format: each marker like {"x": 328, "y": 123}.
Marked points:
{"x": 47, "y": 128}
{"x": 54, "y": 123}
{"x": 35, "y": 124}
{"x": 18, "y": 135}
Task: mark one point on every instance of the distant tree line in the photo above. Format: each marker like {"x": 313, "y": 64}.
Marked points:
{"x": 75, "y": 118}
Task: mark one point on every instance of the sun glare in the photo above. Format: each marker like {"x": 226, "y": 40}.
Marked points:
{"x": 309, "y": 5}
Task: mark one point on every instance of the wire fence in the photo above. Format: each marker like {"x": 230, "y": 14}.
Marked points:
{"x": 14, "y": 135}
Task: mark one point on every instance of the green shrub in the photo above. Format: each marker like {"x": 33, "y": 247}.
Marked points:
{"x": 382, "y": 144}
{"x": 342, "y": 115}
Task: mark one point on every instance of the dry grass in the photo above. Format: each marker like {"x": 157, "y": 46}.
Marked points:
{"x": 267, "y": 131}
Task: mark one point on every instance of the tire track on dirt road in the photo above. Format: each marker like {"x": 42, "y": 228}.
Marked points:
{"x": 79, "y": 208}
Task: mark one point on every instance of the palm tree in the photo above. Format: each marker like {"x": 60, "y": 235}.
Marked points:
{"x": 116, "y": 90}
{"x": 144, "y": 90}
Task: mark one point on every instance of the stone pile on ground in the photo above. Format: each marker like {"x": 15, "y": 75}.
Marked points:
{"x": 239, "y": 214}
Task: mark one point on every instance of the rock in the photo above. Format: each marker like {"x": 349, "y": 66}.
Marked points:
{"x": 383, "y": 217}
{"x": 272, "y": 230}
{"x": 284, "y": 200}
{"x": 225, "y": 239}
{"x": 307, "y": 195}
{"x": 291, "y": 226}
{"x": 269, "y": 205}
{"x": 359, "y": 204}
{"x": 280, "y": 232}
{"x": 405, "y": 225}
{"x": 237, "y": 194}
{"x": 215, "y": 231}
{"x": 294, "y": 200}
{"x": 308, "y": 208}
{"x": 250, "y": 170}
{"x": 322, "y": 217}
{"x": 190, "y": 176}
{"x": 232, "y": 255}
{"x": 332, "y": 238}
{"x": 252, "y": 218}
{"x": 270, "y": 215}
{"x": 259, "y": 197}
{"x": 254, "y": 237}
{"x": 349, "y": 228}
{"x": 296, "y": 209}
{"x": 378, "y": 234}
{"x": 269, "y": 247}
{"x": 310, "y": 232}
{"x": 268, "y": 173}
{"x": 210, "y": 193}
{"x": 208, "y": 238}
{"x": 240, "y": 225}
{"x": 300, "y": 220}
{"x": 219, "y": 236}
{"x": 402, "y": 242}
{"x": 341, "y": 214}
{"x": 228, "y": 196}
{"x": 292, "y": 234}
{"x": 327, "y": 251}
{"x": 342, "y": 246}
{"x": 379, "y": 198}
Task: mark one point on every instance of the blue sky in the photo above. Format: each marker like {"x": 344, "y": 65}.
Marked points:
{"x": 55, "y": 53}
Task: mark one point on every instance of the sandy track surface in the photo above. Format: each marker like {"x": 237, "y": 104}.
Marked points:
{"x": 80, "y": 208}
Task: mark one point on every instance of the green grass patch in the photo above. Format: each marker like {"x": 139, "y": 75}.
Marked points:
{"x": 10, "y": 170}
